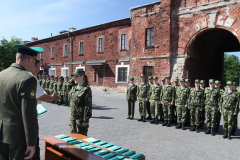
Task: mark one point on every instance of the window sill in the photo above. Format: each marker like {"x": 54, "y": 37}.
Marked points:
{"x": 122, "y": 82}
{"x": 80, "y": 54}
{"x": 148, "y": 47}
{"x": 99, "y": 52}
{"x": 52, "y": 58}
{"x": 121, "y": 50}
{"x": 41, "y": 59}
{"x": 65, "y": 56}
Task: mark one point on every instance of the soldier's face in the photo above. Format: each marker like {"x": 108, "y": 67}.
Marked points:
{"x": 211, "y": 85}
{"x": 188, "y": 84}
{"x": 201, "y": 85}
{"x": 143, "y": 79}
{"x": 167, "y": 81}
{"x": 234, "y": 87}
{"x": 197, "y": 85}
{"x": 131, "y": 82}
{"x": 155, "y": 80}
{"x": 230, "y": 87}
{"x": 182, "y": 83}
{"x": 51, "y": 78}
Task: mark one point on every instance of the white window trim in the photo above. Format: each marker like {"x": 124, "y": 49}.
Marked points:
{"x": 64, "y": 50}
{"x": 41, "y": 69}
{"x": 63, "y": 69}
{"x": 81, "y": 67}
{"x": 98, "y": 45}
{"x": 52, "y": 52}
{"x": 116, "y": 75}
{"x": 51, "y": 69}
{"x": 121, "y": 42}
{"x": 79, "y": 48}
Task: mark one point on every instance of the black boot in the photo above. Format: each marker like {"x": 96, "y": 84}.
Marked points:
{"x": 197, "y": 129}
{"x": 229, "y": 136}
{"x": 233, "y": 132}
{"x": 152, "y": 121}
{"x": 183, "y": 126}
{"x": 165, "y": 123}
{"x": 212, "y": 132}
{"x": 168, "y": 124}
{"x": 193, "y": 128}
{"x": 140, "y": 119}
{"x": 178, "y": 126}
{"x": 208, "y": 131}
{"x": 161, "y": 118}
{"x": 128, "y": 117}
{"x": 156, "y": 120}
{"x": 225, "y": 135}
{"x": 149, "y": 118}
{"x": 143, "y": 119}
{"x": 217, "y": 128}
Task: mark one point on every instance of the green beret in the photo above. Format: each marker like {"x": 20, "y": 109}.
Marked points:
{"x": 142, "y": 75}
{"x": 78, "y": 72}
{"x": 229, "y": 82}
{"x": 176, "y": 79}
{"x": 150, "y": 77}
{"x": 182, "y": 80}
{"x": 197, "y": 80}
{"x": 155, "y": 77}
{"x": 187, "y": 80}
{"x": 211, "y": 80}
{"x": 131, "y": 79}
{"x": 235, "y": 83}
{"x": 168, "y": 77}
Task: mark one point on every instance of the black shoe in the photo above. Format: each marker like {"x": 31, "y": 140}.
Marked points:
{"x": 153, "y": 121}
{"x": 168, "y": 125}
{"x": 143, "y": 119}
{"x": 140, "y": 119}
{"x": 193, "y": 128}
{"x": 149, "y": 118}
{"x": 165, "y": 123}
{"x": 128, "y": 117}
{"x": 161, "y": 118}
{"x": 217, "y": 128}
{"x": 229, "y": 136}
{"x": 178, "y": 126}
{"x": 156, "y": 120}
{"x": 212, "y": 132}
{"x": 183, "y": 126}
{"x": 208, "y": 131}
{"x": 233, "y": 132}
{"x": 60, "y": 103}
{"x": 197, "y": 129}
{"x": 225, "y": 135}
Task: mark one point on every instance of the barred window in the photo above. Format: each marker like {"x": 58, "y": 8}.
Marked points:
{"x": 122, "y": 74}
{"x": 150, "y": 37}
{"x": 123, "y": 41}
{"x": 150, "y": 9}
{"x": 80, "y": 48}
{"x": 100, "y": 45}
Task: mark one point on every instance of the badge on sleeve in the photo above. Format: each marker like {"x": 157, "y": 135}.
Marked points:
{"x": 32, "y": 94}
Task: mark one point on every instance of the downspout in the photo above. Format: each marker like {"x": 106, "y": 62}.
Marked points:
{"x": 70, "y": 73}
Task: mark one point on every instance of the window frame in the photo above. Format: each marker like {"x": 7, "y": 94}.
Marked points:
{"x": 125, "y": 42}
{"x": 79, "y": 48}
{"x": 116, "y": 75}
{"x": 64, "y": 68}
{"x": 52, "y": 69}
{"x": 52, "y": 52}
{"x": 65, "y": 51}
{"x": 150, "y": 37}
{"x": 150, "y": 9}
{"x": 41, "y": 58}
{"x": 98, "y": 44}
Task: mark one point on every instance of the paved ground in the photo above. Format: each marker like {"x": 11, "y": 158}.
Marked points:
{"x": 156, "y": 142}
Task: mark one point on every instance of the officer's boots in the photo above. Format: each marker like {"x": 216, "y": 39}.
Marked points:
{"x": 212, "y": 132}
{"x": 165, "y": 123}
{"x": 183, "y": 126}
{"x": 217, "y": 127}
{"x": 233, "y": 132}
{"x": 169, "y": 124}
{"x": 197, "y": 129}
{"x": 149, "y": 117}
{"x": 143, "y": 120}
{"x": 193, "y": 128}
{"x": 225, "y": 135}
{"x": 156, "y": 120}
{"x": 208, "y": 131}
{"x": 140, "y": 118}
{"x": 161, "y": 118}
{"x": 229, "y": 136}
{"x": 152, "y": 121}
{"x": 178, "y": 126}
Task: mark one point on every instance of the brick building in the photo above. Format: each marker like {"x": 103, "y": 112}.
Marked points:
{"x": 181, "y": 38}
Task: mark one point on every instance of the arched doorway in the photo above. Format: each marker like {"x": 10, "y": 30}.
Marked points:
{"x": 206, "y": 54}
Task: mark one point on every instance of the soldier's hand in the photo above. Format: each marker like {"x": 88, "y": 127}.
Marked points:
{"x": 146, "y": 99}
{"x": 201, "y": 110}
{"x": 137, "y": 99}
{"x": 235, "y": 114}
{"x": 161, "y": 102}
{"x": 149, "y": 101}
{"x": 188, "y": 107}
{"x": 172, "y": 103}
{"x": 55, "y": 96}
{"x": 30, "y": 152}
{"x": 220, "y": 111}
{"x": 176, "y": 105}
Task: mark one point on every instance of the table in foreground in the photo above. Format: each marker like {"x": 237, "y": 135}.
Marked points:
{"x": 72, "y": 146}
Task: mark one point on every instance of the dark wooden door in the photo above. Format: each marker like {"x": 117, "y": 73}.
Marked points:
{"x": 100, "y": 77}
{"x": 148, "y": 71}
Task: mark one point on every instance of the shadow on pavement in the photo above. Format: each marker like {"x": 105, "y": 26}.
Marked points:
{"x": 103, "y": 117}
{"x": 101, "y": 107}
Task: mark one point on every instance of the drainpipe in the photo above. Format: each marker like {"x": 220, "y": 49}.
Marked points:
{"x": 70, "y": 54}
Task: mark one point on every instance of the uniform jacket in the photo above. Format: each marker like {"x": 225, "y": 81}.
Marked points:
{"x": 43, "y": 83}
{"x": 81, "y": 103}
{"x": 229, "y": 101}
{"x": 212, "y": 98}
{"x": 196, "y": 98}
{"x": 181, "y": 96}
{"x": 40, "y": 81}
{"x": 148, "y": 89}
{"x": 131, "y": 92}
{"x": 18, "y": 114}
{"x": 51, "y": 85}
{"x": 59, "y": 86}
{"x": 142, "y": 90}
{"x": 167, "y": 94}
{"x": 154, "y": 92}
{"x": 64, "y": 87}
{"x": 47, "y": 83}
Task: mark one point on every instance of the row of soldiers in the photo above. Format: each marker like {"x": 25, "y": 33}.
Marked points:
{"x": 59, "y": 84}
{"x": 184, "y": 104}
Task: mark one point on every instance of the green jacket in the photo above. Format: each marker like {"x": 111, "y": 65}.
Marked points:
{"x": 81, "y": 103}
{"x": 51, "y": 85}
{"x": 181, "y": 96}
{"x": 196, "y": 98}
{"x": 229, "y": 101}
{"x": 43, "y": 83}
{"x": 131, "y": 92}
{"x": 142, "y": 90}
{"x": 47, "y": 83}
{"x": 148, "y": 89}
{"x": 55, "y": 86}
{"x": 167, "y": 94}
{"x": 59, "y": 85}
{"x": 18, "y": 114}
{"x": 155, "y": 91}
{"x": 211, "y": 98}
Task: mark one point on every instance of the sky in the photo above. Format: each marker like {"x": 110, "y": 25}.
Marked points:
{"x": 27, "y": 18}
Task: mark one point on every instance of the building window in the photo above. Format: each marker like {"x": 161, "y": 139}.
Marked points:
{"x": 52, "y": 52}
{"x": 65, "y": 51}
{"x": 150, "y": 37}
{"x": 123, "y": 41}
{"x": 40, "y": 56}
{"x": 80, "y": 52}
{"x": 64, "y": 71}
{"x": 122, "y": 74}
{"x": 52, "y": 71}
{"x": 150, "y": 9}
{"x": 100, "y": 45}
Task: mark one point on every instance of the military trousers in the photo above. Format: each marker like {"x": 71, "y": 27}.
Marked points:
{"x": 228, "y": 116}
{"x": 76, "y": 126}
{"x": 195, "y": 115}
{"x": 65, "y": 97}
{"x": 218, "y": 117}
{"x": 160, "y": 109}
{"x": 167, "y": 111}
{"x": 131, "y": 108}
{"x": 142, "y": 107}
{"x": 148, "y": 108}
{"x": 59, "y": 93}
{"x": 12, "y": 152}
{"x": 181, "y": 113}
{"x": 174, "y": 112}
{"x": 154, "y": 108}
{"x": 211, "y": 112}
{"x": 235, "y": 122}
{"x": 50, "y": 92}
{"x": 202, "y": 115}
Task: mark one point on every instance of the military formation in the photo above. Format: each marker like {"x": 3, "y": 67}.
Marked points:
{"x": 185, "y": 105}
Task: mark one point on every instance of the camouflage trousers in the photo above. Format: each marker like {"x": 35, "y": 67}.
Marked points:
{"x": 181, "y": 113}
{"x": 65, "y": 97}
{"x": 195, "y": 115}
{"x": 155, "y": 108}
{"x": 131, "y": 107}
{"x": 202, "y": 115}
{"x": 228, "y": 116}
{"x": 211, "y": 112}
{"x": 218, "y": 117}
{"x": 76, "y": 126}
{"x": 235, "y": 122}
{"x": 47, "y": 91}
{"x": 188, "y": 117}
{"x": 142, "y": 107}
{"x": 174, "y": 112}
{"x": 160, "y": 109}
{"x": 60, "y": 94}
{"x": 148, "y": 108}
{"x": 167, "y": 111}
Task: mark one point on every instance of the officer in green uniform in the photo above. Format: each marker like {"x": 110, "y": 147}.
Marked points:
{"x": 174, "y": 109}
{"x": 40, "y": 79}
{"x": 142, "y": 92}
{"x": 43, "y": 82}
{"x": 131, "y": 97}
{"x": 229, "y": 104}
{"x": 235, "y": 117}
{"x": 65, "y": 91}
{"x": 211, "y": 97}
{"x": 167, "y": 100}
{"x": 188, "y": 85}
{"x": 18, "y": 114}
{"x": 195, "y": 104}
{"x": 150, "y": 82}
{"x": 154, "y": 94}
{"x": 50, "y": 89}
{"x": 218, "y": 114}
{"x": 80, "y": 98}
{"x": 181, "y": 102}
{"x": 59, "y": 89}
{"x": 55, "y": 82}
{"x": 202, "y": 113}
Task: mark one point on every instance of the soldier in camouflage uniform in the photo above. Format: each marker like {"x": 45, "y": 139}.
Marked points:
{"x": 229, "y": 104}
{"x": 195, "y": 104}
{"x": 59, "y": 88}
{"x": 181, "y": 102}
{"x": 65, "y": 91}
{"x": 47, "y": 82}
{"x": 174, "y": 108}
{"x": 235, "y": 117}
{"x": 50, "y": 89}
{"x": 188, "y": 85}
{"x": 142, "y": 92}
{"x": 167, "y": 100}
{"x": 154, "y": 94}
{"x": 131, "y": 97}
{"x": 218, "y": 114}
{"x": 211, "y": 97}
{"x": 150, "y": 82}
{"x": 202, "y": 116}
{"x": 80, "y": 98}
{"x": 55, "y": 82}
{"x": 40, "y": 79}
{"x": 43, "y": 82}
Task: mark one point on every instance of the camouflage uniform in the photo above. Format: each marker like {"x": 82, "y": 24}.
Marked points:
{"x": 218, "y": 114}
{"x": 43, "y": 83}
{"x": 59, "y": 88}
{"x": 203, "y": 112}
{"x": 188, "y": 118}
{"x": 148, "y": 103}
{"x": 235, "y": 117}
{"x": 50, "y": 89}
{"x": 47, "y": 82}
{"x": 64, "y": 92}
{"x": 131, "y": 97}
{"x": 142, "y": 95}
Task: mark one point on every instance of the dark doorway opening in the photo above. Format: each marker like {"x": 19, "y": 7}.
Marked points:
{"x": 100, "y": 77}
{"x": 206, "y": 54}
{"x": 148, "y": 71}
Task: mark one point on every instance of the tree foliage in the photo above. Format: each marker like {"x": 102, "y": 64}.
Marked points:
{"x": 7, "y": 53}
{"x": 231, "y": 68}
